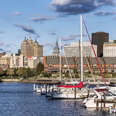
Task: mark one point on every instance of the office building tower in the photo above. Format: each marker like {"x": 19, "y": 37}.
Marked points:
{"x": 30, "y": 48}
{"x": 74, "y": 50}
{"x": 98, "y": 39}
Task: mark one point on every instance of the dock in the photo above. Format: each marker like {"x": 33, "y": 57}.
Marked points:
{"x": 103, "y": 102}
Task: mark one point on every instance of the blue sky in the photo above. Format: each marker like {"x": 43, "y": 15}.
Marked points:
{"x": 48, "y": 20}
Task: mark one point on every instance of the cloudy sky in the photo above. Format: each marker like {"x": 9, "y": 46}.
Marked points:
{"x": 48, "y": 20}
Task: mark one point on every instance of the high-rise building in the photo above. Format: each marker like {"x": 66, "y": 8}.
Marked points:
{"x": 109, "y": 49}
{"x": 98, "y": 39}
{"x": 74, "y": 49}
{"x": 30, "y": 48}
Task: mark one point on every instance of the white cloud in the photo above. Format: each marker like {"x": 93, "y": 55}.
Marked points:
{"x": 60, "y": 2}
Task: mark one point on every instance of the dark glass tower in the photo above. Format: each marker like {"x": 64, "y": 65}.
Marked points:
{"x": 98, "y": 39}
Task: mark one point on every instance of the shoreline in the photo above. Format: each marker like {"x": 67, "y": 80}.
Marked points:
{"x": 55, "y": 81}
{"x": 39, "y": 81}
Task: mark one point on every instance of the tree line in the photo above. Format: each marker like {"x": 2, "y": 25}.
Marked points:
{"x": 22, "y": 72}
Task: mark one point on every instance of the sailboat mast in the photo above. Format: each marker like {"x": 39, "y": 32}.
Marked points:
{"x": 81, "y": 45}
{"x": 60, "y": 65}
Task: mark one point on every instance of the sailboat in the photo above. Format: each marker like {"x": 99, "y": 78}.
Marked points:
{"x": 101, "y": 94}
{"x": 71, "y": 90}
{"x": 104, "y": 94}
{"x": 36, "y": 88}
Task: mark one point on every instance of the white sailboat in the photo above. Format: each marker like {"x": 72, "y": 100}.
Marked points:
{"x": 99, "y": 94}
{"x": 41, "y": 90}
{"x": 112, "y": 88}
{"x": 36, "y": 88}
{"x": 71, "y": 90}
{"x": 90, "y": 102}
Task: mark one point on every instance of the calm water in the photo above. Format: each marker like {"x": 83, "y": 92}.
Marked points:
{"x": 18, "y": 99}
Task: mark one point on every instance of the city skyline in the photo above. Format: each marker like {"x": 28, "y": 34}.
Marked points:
{"x": 48, "y": 20}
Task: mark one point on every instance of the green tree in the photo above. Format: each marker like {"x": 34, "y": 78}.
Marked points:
{"x": 27, "y": 72}
{"x": 10, "y": 72}
{"x": 45, "y": 74}
{"x": 24, "y": 72}
{"x": 19, "y": 72}
{"x": 2, "y": 72}
{"x": 39, "y": 68}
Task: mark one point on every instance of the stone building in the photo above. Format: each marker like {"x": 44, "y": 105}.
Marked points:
{"x": 31, "y": 48}
{"x": 74, "y": 50}
{"x": 109, "y": 49}
{"x": 4, "y": 61}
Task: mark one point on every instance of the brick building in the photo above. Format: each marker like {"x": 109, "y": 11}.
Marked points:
{"x": 51, "y": 64}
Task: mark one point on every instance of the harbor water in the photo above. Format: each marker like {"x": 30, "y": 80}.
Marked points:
{"x": 18, "y": 99}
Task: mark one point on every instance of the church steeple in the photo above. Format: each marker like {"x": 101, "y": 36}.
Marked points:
{"x": 56, "y": 49}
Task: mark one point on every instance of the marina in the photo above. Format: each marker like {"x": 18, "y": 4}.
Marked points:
{"x": 100, "y": 98}
{"x": 58, "y": 58}
{"x": 18, "y": 99}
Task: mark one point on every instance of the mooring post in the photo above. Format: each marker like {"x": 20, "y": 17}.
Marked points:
{"x": 97, "y": 104}
{"x": 46, "y": 88}
{"x": 88, "y": 93}
{"x": 104, "y": 101}
{"x": 75, "y": 92}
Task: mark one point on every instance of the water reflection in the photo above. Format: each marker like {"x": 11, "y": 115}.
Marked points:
{"x": 18, "y": 99}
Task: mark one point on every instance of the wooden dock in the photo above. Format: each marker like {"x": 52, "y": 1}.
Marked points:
{"x": 103, "y": 102}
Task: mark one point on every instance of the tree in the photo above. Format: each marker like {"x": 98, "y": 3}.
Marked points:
{"x": 39, "y": 68}
{"x": 45, "y": 74}
{"x": 2, "y": 72}
{"x": 27, "y": 72}
{"x": 10, "y": 72}
{"x": 24, "y": 72}
{"x": 19, "y": 72}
